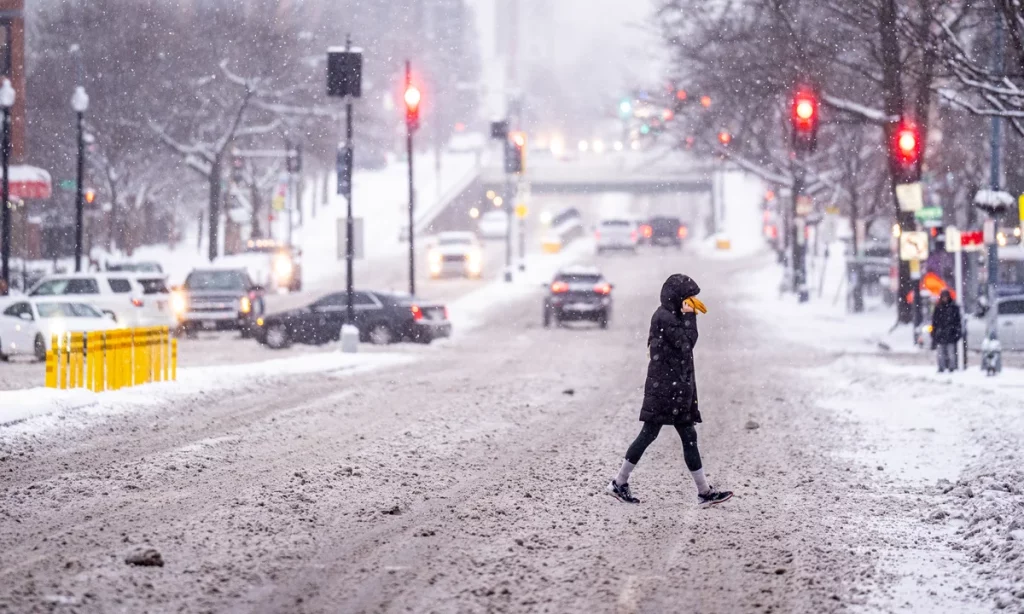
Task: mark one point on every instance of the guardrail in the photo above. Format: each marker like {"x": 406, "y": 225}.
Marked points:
{"x": 111, "y": 360}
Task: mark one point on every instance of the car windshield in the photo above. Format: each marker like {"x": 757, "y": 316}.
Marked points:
{"x": 135, "y": 267}
{"x": 455, "y": 241}
{"x": 216, "y": 280}
{"x": 579, "y": 278}
{"x": 665, "y": 223}
{"x": 67, "y": 310}
{"x": 616, "y": 223}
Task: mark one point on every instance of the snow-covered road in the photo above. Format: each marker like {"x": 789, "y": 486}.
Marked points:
{"x": 470, "y": 480}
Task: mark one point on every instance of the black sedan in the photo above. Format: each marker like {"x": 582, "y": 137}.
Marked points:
{"x": 578, "y": 293}
{"x": 381, "y": 318}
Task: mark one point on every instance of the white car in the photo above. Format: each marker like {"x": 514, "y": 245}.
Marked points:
{"x": 1011, "y": 325}
{"x": 493, "y": 225}
{"x": 617, "y": 234}
{"x": 455, "y": 253}
{"x": 27, "y": 325}
{"x": 119, "y": 294}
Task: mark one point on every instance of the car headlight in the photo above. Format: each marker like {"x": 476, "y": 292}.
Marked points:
{"x": 283, "y": 267}
{"x": 434, "y": 257}
{"x": 245, "y": 305}
{"x": 179, "y": 304}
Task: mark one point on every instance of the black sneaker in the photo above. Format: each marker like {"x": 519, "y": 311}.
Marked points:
{"x": 713, "y": 497}
{"x": 621, "y": 492}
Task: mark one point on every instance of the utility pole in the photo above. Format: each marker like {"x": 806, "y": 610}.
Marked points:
{"x": 995, "y": 184}
{"x": 80, "y": 104}
{"x": 805, "y": 139}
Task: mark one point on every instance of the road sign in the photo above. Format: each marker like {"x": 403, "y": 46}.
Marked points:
{"x": 972, "y": 240}
{"x": 929, "y": 214}
{"x": 914, "y": 245}
{"x": 521, "y": 211}
{"x": 357, "y": 238}
{"x": 910, "y": 196}
{"x": 953, "y": 239}
{"x": 68, "y": 184}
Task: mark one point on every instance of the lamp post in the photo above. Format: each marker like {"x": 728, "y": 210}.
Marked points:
{"x": 80, "y": 103}
{"x": 7, "y": 95}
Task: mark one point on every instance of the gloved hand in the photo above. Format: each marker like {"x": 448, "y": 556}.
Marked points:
{"x": 697, "y": 305}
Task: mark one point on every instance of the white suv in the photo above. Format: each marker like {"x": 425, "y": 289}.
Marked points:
{"x": 617, "y": 234}
{"x": 119, "y": 294}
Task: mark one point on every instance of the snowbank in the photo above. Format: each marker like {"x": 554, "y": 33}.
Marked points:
{"x": 741, "y": 217}
{"x": 46, "y": 407}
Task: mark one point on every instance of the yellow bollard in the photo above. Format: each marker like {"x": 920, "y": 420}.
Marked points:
{"x": 165, "y": 353}
{"x": 77, "y": 355}
{"x": 158, "y": 354}
{"x": 51, "y": 369}
{"x": 90, "y": 370}
{"x": 109, "y": 358}
{"x": 116, "y": 362}
{"x": 174, "y": 360}
{"x": 127, "y": 377}
{"x": 62, "y": 362}
{"x": 101, "y": 361}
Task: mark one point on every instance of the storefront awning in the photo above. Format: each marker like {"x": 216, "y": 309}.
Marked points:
{"x": 29, "y": 182}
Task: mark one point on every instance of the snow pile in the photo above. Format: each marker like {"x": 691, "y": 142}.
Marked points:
{"x": 47, "y": 407}
{"x": 741, "y": 217}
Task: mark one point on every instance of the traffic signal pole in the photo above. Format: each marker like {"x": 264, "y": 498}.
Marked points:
{"x": 799, "y": 238}
{"x": 412, "y": 194}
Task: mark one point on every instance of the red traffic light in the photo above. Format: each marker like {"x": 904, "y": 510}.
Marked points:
{"x": 805, "y": 111}
{"x": 907, "y": 144}
{"x": 412, "y": 98}
{"x": 680, "y": 94}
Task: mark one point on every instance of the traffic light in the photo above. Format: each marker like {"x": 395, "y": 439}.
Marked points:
{"x": 905, "y": 152}
{"x": 724, "y": 138}
{"x": 515, "y": 153}
{"x": 805, "y": 120}
{"x": 412, "y": 97}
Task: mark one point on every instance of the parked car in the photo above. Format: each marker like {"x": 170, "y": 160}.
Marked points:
{"x": 493, "y": 225}
{"x": 616, "y": 234}
{"x": 578, "y": 293}
{"x": 664, "y": 230}
{"x": 1011, "y": 325}
{"x": 271, "y": 264}
{"x": 118, "y": 294}
{"x": 381, "y": 318}
{"x": 218, "y": 299}
{"x": 455, "y": 253}
{"x": 28, "y": 325}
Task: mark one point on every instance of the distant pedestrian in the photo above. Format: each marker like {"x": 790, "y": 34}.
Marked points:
{"x": 947, "y": 330}
{"x": 670, "y": 393}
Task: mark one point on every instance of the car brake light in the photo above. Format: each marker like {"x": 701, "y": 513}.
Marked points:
{"x": 647, "y": 230}
{"x": 603, "y": 288}
{"x": 137, "y": 302}
{"x": 682, "y": 232}
{"x": 446, "y": 312}
{"x": 559, "y": 287}
{"x": 632, "y": 236}
{"x": 417, "y": 313}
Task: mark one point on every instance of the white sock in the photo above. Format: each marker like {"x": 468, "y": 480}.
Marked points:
{"x": 700, "y": 481}
{"x": 624, "y": 471}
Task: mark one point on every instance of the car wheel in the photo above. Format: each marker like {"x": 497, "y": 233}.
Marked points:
{"x": 603, "y": 322}
{"x": 39, "y": 348}
{"x": 547, "y": 318}
{"x": 380, "y": 334}
{"x": 3, "y": 357}
{"x": 246, "y": 331}
{"x": 278, "y": 337}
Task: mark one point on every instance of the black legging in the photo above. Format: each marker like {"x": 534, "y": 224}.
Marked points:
{"x": 650, "y": 432}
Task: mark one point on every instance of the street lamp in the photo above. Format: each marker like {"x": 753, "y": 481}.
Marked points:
{"x": 80, "y": 104}
{"x": 7, "y": 95}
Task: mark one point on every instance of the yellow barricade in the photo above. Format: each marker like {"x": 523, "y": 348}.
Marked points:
{"x": 111, "y": 360}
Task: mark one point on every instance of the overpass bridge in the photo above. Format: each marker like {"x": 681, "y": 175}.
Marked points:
{"x": 627, "y": 172}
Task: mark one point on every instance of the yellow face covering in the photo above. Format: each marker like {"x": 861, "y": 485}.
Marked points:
{"x": 697, "y": 305}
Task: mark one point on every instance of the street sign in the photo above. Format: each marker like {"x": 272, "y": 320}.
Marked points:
{"x": 521, "y": 211}
{"x": 972, "y": 240}
{"x": 910, "y": 196}
{"x": 914, "y": 245}
{"x": 68, "y": 185}
{"x": 989, "y": 231}
{"x": 929, "y": 214}
{"x": 357, "y": 238}
{"x": 953, "y": 239}
{"x": 804, "y": 205}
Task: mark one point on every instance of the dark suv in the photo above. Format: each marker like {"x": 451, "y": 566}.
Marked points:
{"x": 381, "y": 318}
{"x": 218, "y": 299}
{"x": 578, "y": 293}
{"x": 664, "y": 231}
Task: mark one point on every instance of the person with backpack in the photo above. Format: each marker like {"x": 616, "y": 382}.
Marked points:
{"x": 670, "y": 392}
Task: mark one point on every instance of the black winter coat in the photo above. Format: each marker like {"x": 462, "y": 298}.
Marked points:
{"x": 946, "y": 323}
{"x": 670, "y": 393}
